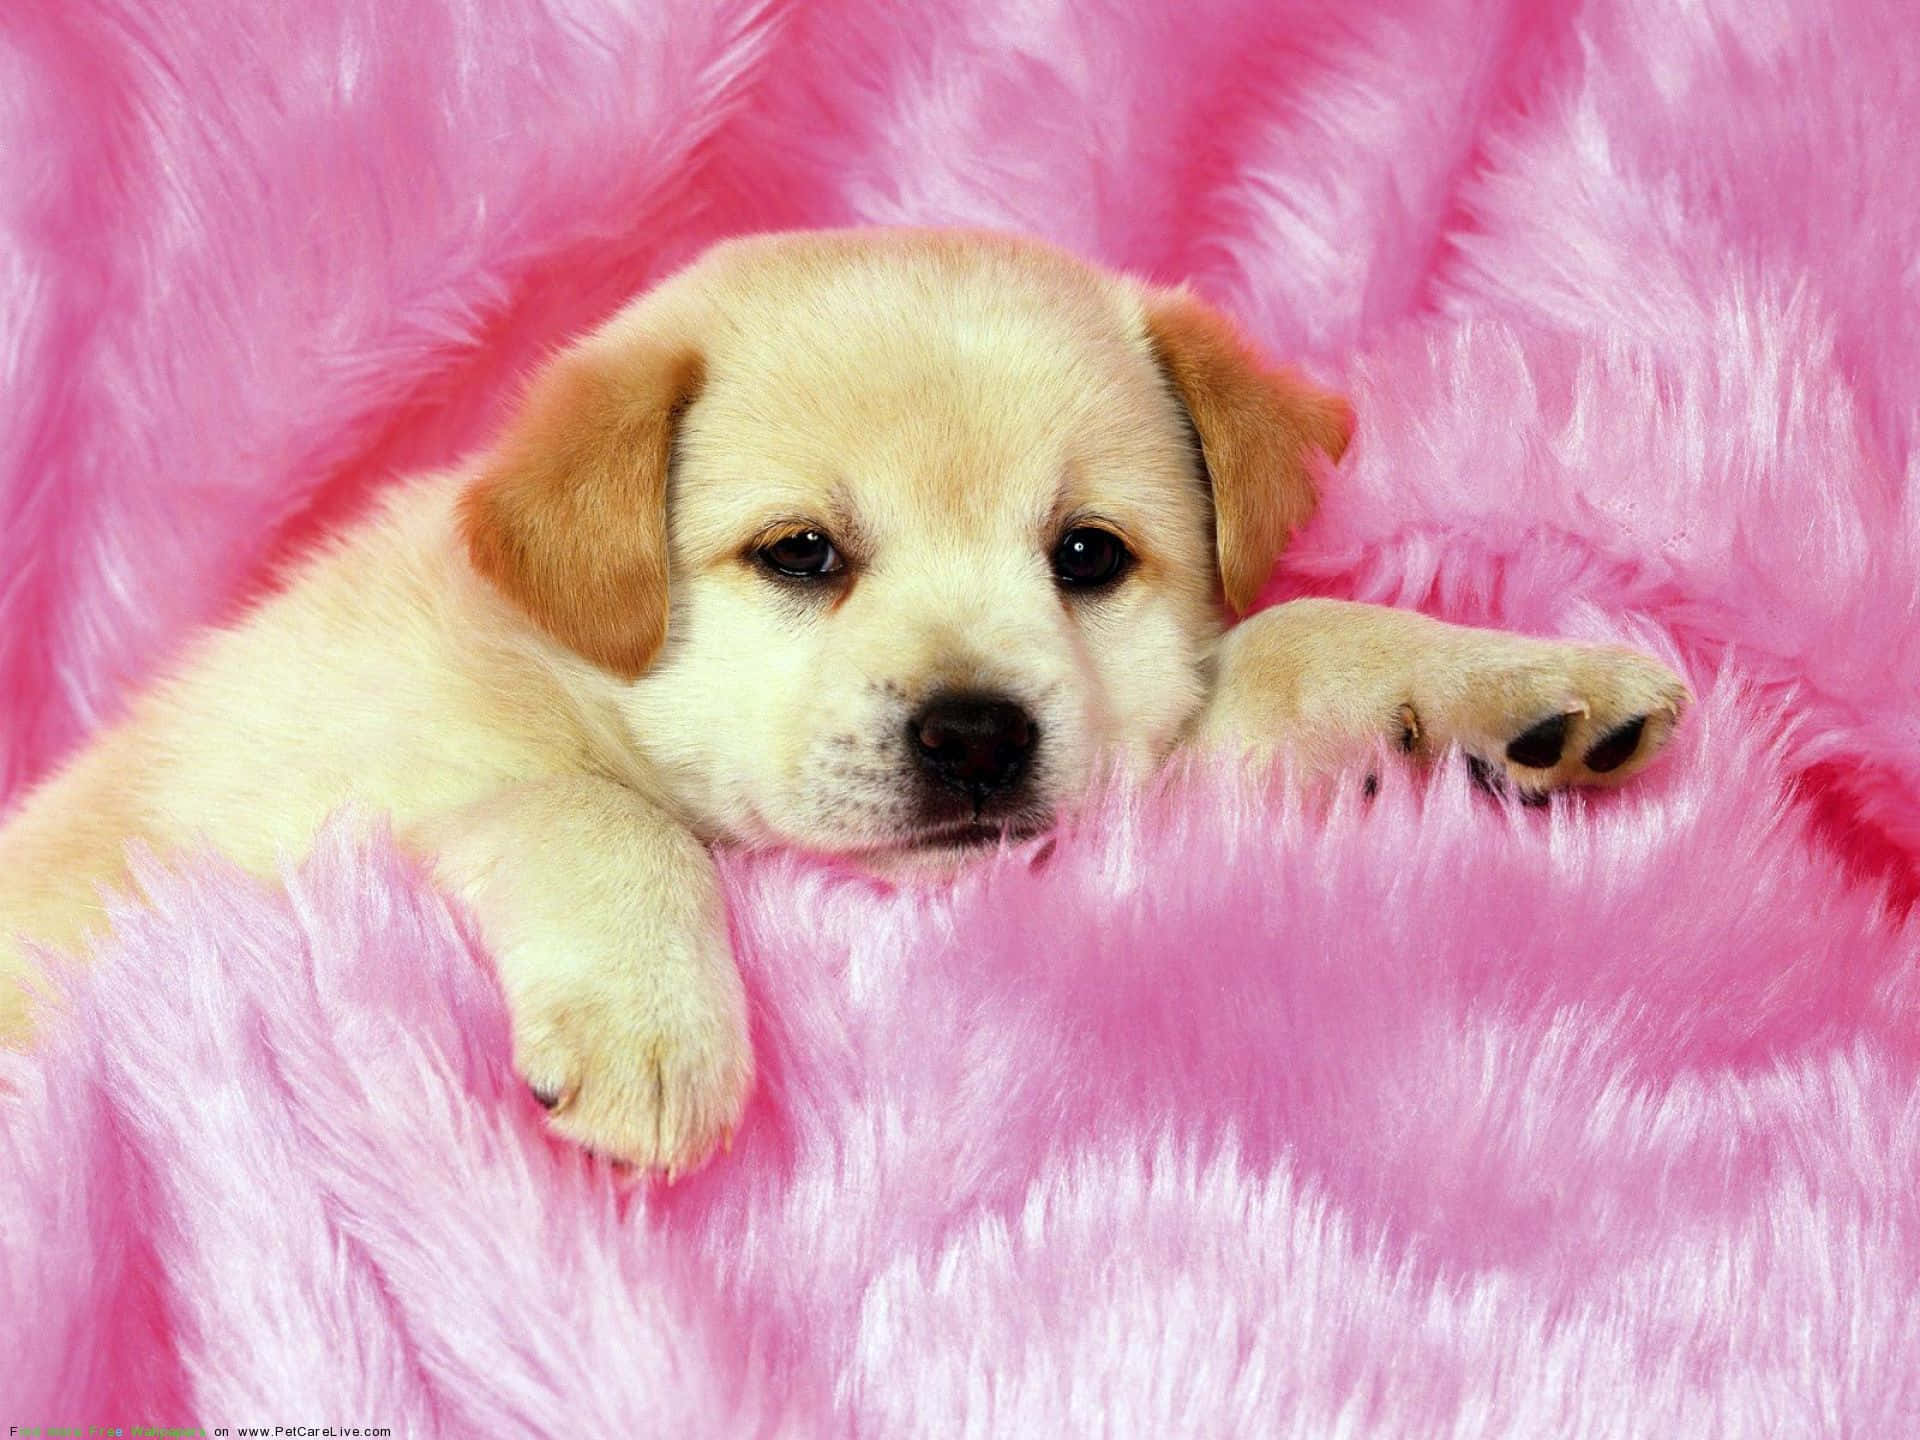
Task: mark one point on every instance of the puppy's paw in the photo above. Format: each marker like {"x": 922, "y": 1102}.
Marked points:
{"x": 651, "y": 1069}
{"x": 1566, "y": 715}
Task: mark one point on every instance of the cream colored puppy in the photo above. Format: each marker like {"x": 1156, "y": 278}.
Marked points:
{"x": 868, "y": 542}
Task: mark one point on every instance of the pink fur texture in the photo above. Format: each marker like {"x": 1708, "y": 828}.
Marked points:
{"x": 1243, "y": 1113}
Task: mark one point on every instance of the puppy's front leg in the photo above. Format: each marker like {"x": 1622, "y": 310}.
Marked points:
{"x": 1325, "y": 680}
{"x": 606, "y": 923}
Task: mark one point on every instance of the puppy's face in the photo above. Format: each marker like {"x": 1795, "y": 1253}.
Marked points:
{"x": 892, "y": 536}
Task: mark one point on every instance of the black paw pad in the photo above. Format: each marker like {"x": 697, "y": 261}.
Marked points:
{"x": 1540, "y": 747}
{"x": 1616, "y": 747}
{"x": 547, "y": 1099}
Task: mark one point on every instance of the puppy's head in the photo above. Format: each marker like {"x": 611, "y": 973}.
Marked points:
{"x": 887, "y": 536}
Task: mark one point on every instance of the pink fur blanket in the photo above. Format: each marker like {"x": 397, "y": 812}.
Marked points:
{"x": 1240, "y": 1116}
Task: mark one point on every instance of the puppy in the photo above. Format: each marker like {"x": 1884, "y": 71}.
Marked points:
{"x": 871, "y": 543}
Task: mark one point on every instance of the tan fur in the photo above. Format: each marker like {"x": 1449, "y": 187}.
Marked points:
{"x": 562, "y": 671}
{"x": 1258, "y": 427}
{"x": 67, "y": 844}
{"x": 569, "y": 516}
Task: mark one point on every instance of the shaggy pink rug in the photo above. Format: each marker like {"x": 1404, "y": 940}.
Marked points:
{"x": 1241, "y": 1116}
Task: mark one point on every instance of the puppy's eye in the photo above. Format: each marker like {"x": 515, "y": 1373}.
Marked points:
{"x": 806, "y": 555}
{"x": 1086, "y": 559}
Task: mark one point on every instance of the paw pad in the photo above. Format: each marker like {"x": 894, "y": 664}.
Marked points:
{"x": 1616, "y": 747}
{"x": 1539, "y": 748}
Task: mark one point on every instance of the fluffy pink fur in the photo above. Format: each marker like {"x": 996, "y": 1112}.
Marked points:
{"x": 1241, "y": 1114}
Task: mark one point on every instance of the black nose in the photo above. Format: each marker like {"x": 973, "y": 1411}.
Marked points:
{"x": 979, "y": 744}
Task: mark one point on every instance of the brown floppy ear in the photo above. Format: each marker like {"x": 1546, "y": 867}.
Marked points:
{"x": 568, "y": 518}
{"x": 1258, "y": 426}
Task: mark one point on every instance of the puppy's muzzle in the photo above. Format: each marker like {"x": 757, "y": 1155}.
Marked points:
{"x": 978, "y": 745}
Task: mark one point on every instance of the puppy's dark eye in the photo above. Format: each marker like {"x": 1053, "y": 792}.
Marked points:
{"x": 1088, "y": 558}
{"x": 807, "y": 555}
